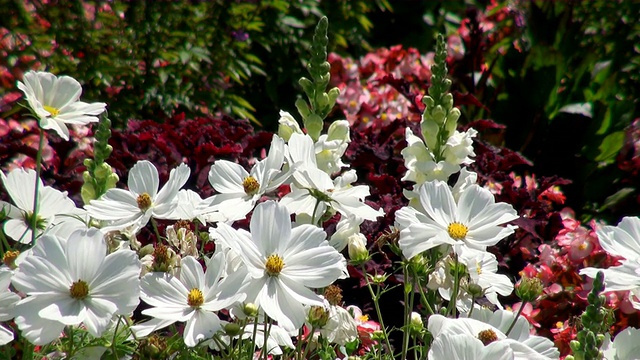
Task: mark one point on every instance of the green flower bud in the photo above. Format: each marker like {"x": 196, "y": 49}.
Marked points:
{"x": 232, "y": 329}
{"x": 318, "y": 316}
{"x": 103, "y": 171}
{"x": 475, "y": 290}
{"x": 357, "y": 248}
{"x": 415, "y": 324}
{"x": 88, "y": 192}
{"x": 250, "y": 309}
{"x": 447, "y": 101}
{"x": 111, "y": 181}
{"x": 339, "y": 130}
{"x": 438, "y": 113}
{"x": 529, "y": 289}
{"x": 428, "y": 101}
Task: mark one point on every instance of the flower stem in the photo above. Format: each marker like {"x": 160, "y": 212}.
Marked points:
{"x": 306, "y": 348}
{"x": 408, "y": 307}
{"x": 451, "y": 308}
{"x": 36, "y": 192}
{"x": 516, "y": 318}
{"x": 375, "y": 296}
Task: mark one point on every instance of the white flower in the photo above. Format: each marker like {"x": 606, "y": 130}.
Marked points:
{"x": 277, "y": 337}
{"x": 483, "y": 268}
{"x": 239, "y": 190}
{"x": 340, "y": 327}
{"x": 8, "y": 301}
{"x": 282, "y": 263}
{"x": 314, "y": 193}
{"x": 191, "y": 206}
{"x": 287, "y": 125}
{"x": 473, "y": 222}
{"x": 55, "y": 209}
{"x": 346, "y": 227}
{"x": 55, "y": 100}
{"x": 467, "y": 347}
{"x": 74, "y": 281}
{"x": 122, "y": 208}
{"x": 491, "y": 328}
{"x": 625, "y": 346}
{"x": 624, "y": 241}
{"x": 193, "y": 296}
{"x": 331, "y": 146}
{"x": 459, "y": 147}
{"x": 420, "y": 162}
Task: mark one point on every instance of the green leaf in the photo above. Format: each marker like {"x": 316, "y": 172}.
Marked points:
{"x": 616, "y": 198}
{"x": 293, "y": 22}
{"x": 610, "y": 147}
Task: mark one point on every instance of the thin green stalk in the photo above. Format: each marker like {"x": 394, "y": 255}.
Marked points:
{"x": 375, "y": 296}
{"x": 306, "y": 348}
{"x": 423, "y": 296}
{"x": 516, "y": 318}
{"x": 113, "y": 342}
{"x": 155, "y": 230}
{"x": 267, "y": 330}
{"x": 299, "y": 345}
{"x": 451, "y": 308}
{"x": 408, "y": 302}
{"x": 313, "y": 216}
{"x": 255, "y": 332}
{"x": 473, "y": 301}
{"x": 36, "y": 192}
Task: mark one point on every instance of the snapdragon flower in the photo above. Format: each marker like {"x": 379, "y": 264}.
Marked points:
{"x": 55, "y": 101}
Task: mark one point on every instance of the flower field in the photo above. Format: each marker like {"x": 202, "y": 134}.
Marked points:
{"x": 184, "y": 192}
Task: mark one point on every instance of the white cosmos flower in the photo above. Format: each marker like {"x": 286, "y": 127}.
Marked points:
{"x": 483, "y": 271}
{"x": 282, "y": 263}
{"x": 474, "y": 221}
{"x": 124, "y": 208}
{"x": 625, "y": 346}
{"x": 239, "y": 190}
{"x": 72, "y": 282}
{"x": 467, "y": 347}
{"x": 55, "y": 100}
{"x": 55, "y": 209}
{"x": 8, "y": 300}
{"x": 193, "y": 296}
{"x": 491, "y": 328}
{"x": 624, "y": 241}
{"x": 314, "y": 193}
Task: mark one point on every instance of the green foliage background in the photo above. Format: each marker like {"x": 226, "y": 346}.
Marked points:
{"x": 563, "y": 74}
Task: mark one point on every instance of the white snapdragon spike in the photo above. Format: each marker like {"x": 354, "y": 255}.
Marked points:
{"x": 55, "y": 209}
{"x": 282, "y": 263}
{"x": 474, "y": 221}
{"x": 459, "y": 147}
{"x": 331, "y": 146}
{"x": 313, "y": 193}
{"x": 287, "y": 125}
{"x": 134, "y": 207}
{"x": 483, "y": 271}
{"x": 624, "y": 241}
{"x": 492, "y": 329}
{"x": 55, "y": 101}
{"x": 73, "y": 282}
{"x": 193, "y": 297}
{"x": 8, "y": 300}
{"x": 420, "y": 162}
{"x": 239, "y": 190}
{"x": 467, "y": 347}
{"x": 626, "y": 345}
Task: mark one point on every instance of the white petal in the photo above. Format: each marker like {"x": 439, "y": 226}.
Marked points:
{"x": 177, "y": 178}
{"x": 143, "y": 178}
{"x": 201, "y": 326}
{"x": 271, "y": 228}
{"x": 191, "y": 273}
{"x": 227, "y": 177}
{"x": 85, "y": 252}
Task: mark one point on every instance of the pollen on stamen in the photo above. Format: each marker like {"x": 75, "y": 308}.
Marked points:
{"x": 457, "y": 231}
{"x": 250, "y": 185}
{"x": 274, "y": 265}
{"x": 51, "y": 110}
{"x": 195, "y": 298}
{"x": 79, "y": 290}
{"x": 487, "y": 336}
{"x": 144, "y": 201}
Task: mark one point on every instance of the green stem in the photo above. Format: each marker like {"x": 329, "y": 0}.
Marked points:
{"x": 267, "y": 330}
{"x": 423, "y": 296}
{"x": 36, "y": 192}
{"x": 306, "y": 348}
{"x": 313, "y": 216}
{"x": 408, "y": 302}
{"x": 375, "y": 297}
{"x": 516, "y": 318}
{"x": 113, "y": 342}
{"x": 299, "y": 345}
{"x": 451, "y": 308}
{"x": 155, "y": 230}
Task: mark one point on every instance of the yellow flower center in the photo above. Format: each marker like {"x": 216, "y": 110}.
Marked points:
{"x": 250, "y": 185}
{"x": 144, "y": 201}
{"x": 363, "y": 318}
{"x": 457, "y": 231}
{"x": 195, "y": 298}
{"x": 582, "y": 246}
{"x": 487, "y": 336}
{"x": 274, "y": 265}
{"x": 79, "y": 290}
{"x": 9, "y": 258}
{"x": 53, "y": 111}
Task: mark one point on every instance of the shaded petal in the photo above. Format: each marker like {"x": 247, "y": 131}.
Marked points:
{"x": 143, "y": 178}
{"x": 177, "y": 178}
{"x": 226, "y": 177}
{"x": 85, "y": 250}
{"x": 201, "y": 326}
{"x": 271, "y": 228}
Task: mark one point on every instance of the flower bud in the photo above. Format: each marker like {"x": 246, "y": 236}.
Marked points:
{"x": 250, "y": 309}
{"x": 339, "y": 130}
{"x": 287, "y": 126}
{"x": 318, "y": 316}
{"x": 357, "y": 248}
{"x": 232, "y": 329}
{"x": 528, "y": 289}
{"x": 415, "y": 324}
